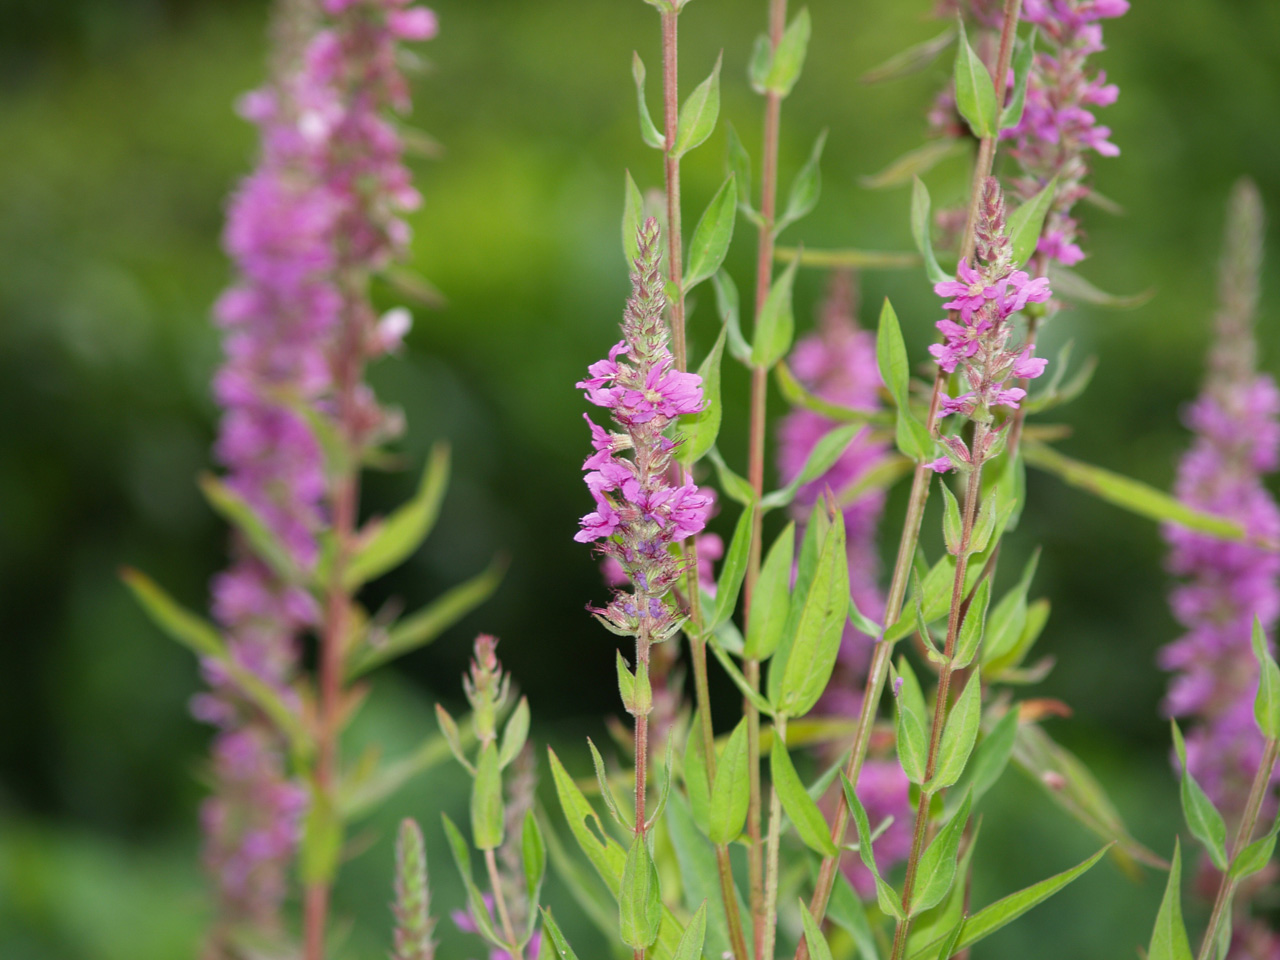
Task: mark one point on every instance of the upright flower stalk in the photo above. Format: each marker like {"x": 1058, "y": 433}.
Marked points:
{"x": 641, "y": 515}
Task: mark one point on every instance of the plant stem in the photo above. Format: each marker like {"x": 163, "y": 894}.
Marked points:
{"x": 761, "y": 917}
{"x": 879, "y": 667}
{"x": 1227, "y": 885}
{"x": 504, "y": 915}
{"x": 698, "y": 643}
{"x": 642, "y": 746}
{"x": 954, "y": 618}
{"x": 775, "y": 836}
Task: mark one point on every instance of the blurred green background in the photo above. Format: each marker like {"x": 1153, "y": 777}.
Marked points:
{"x": 118, "y": 146}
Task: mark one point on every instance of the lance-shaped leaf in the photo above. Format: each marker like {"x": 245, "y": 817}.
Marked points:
{"x": 729, "y": 793}
{"x": 937, "y": 870}
{"x": 912, "y": 60}
{"x": 477, "y": 908}
{"x": 952, "y": 524}
{"x": 1007, "y": 620}
{"x": 810, "y": 824}
{"x": 776, "y": 324}
{"x": 639, "y": 898}
{"x": 695, "y": 934}
{"x": 734, "y": 485}
{"x": 816, "y": 641}
{"x": 392, "y": 541}
{"x": 845, "y": 910}
{"x": 850, "y": 257}
{"x": 423, "y": 626}
{"x": 788, "y": 59}
{"x": 891, "y": 355}
{"x": 989, "y": 761}
{"x": 1203, "y": 819}
{"x": 886, "y": 897}
{"x": 1011, "y": 115}
{"x": 912, "y": 741}
{"x": 606, "y": 790}
{"x": 632, "y": 217}
{"x": 830, "y": 446}
{"x": 1266, "y": 706}
{"x": 739, "y": 167}
{"x": 359, "y": 797}
{"x": 190, "y": 629}
{"x": 1069, "y": 285}
{"x": 712, "y": 235}
{"x": 771, "y": 602}
{"x": 321, "y": 842}
{"x": 515, "y": 733}
{"x": 920, "y": 225}
{"x": 699, "y": 874}
{"x": 975, "y": 93}
{"x": 913, "y": 163}
{"x": 1129, "y": 494}
{"x": 818, "y": 947}
{"x": 971, "y": 628}
{"x": 487, "y": 807}
{"x": 942, "y": 918}
{"x": 627, "y": 686}
{"x": 1003, "y": 912}
{"x": 936, "y": 590}
{"x": 959, "y": 735}
{"x": 698, "y": 431}
{"x": 240, "y": 514}
{"x": 696, "y": 782}
{"x": 698, "y": 114}
{"x": 1027, "y": 221}
{"x": 648, "y": 130}
{"x": 796, "y": 394}
{"x": 727, "y": 308}
{"x": 1169, "y": 938}
{"x": 739, "y": 681}
{"x": 1256, "y": 855}
{"x": 805, "y": 188}
{"x": 554, "y": 945}
{"x": 533, "y": 863}
{"x": 733, "y": 569}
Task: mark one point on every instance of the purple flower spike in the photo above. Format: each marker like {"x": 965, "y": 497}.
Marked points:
{"x": 640, "y": 511}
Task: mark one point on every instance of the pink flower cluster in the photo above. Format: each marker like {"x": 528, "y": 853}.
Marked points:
{"x": 976, "y": 336}
{"x": 640, "y": 511}
{"x": 319, "y": 212}
{"x": 1058, "y": 127}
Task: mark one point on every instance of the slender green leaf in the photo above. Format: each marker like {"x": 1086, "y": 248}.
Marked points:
{"x": 794, "y": 392}
{"x": 735, "y": 487}
{"x": 360, "y": 797}
{"x": 829, "y": 448}
{"x": 771, "y": 602}
{"x": 739, "y": 681}
{"x": 891, "y": 355}
{"x": 729, "y": 793}
{"x": 886, "y": 897}
{"x": 696, "y": 782}
{"x": 695, "y": 934}
{"x": 1011, "y": 115}
{"x": 776, "y": 324}
{"x": 554, "y": 944}
{"x": 810, "y": 824}
{"x": 959, "y": 735}
{"x": 533, "y": 857}
{"x": 845, "y": 910}
{"x": 487, "y": 808}
{"x": 1069, "y": 285}
{"x": 727, "y": 309}
{"x": 788, "y": 59}
{"x": 321, "y": 842}
{"x": 937, "y": 870}
{"x": 699, "y": 431}
{"x": 189, "y": 629}
{"x": 912, "y": 60}
{"x": 1203, "y": 819}
{"x": 606, "y": 790}
{"x": 818, "y": 948}
{"x": 1027, "y": 221}
{"x": 739, "y": 166}
{"x": 478, "y": 909}
{"x": 698, "y": 114}
{"x": 816, "y": 640}
{"x": 699, "y": 874}
{"x": 240, "y": 514}
{"x": 952, "y": 525}
{"x": 971, "y": 628}
{"x": 1169, "y": 938}
{"x": 627, "y": 686}
{"x": 989, "y": 759}
{"x": 632, "y": 218}
{"x": 920, "y": 226}
{"x": 1266, "y": 706}
{"x": 805, "y": 188}
{"x": 733, "y": 569}
{"x": 385, "y": 545}
{"x": 648, "y": 131}
{"x": 975, "y": 93}
{"x": 913, "y": 163}
{"x": 639, "y": 898}
{"x": 712, "y": 235}
{"x": 1255, "y": 856}
{"x": 515, "y": 733}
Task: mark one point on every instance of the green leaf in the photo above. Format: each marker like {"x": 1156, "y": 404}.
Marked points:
{"x": 1169, "y": 938}
{"x": 479, "y": 910}
{"x": 515, "y": 733}
{"x": 912, "y": 744}
{"x": 385, "y": 545}
{"x": 727, "y": 308}
{"x": 695, "y": 934}
{"x": 771, "y": 602}
{"x": 911, "y": 693}
{"x": 941, "y": 919}
{"x": 886, "y": 897}
{"x": 912, "y": 60}
{"x": 984, "y": 524}
{"x": 1131, "y": 495}
{"x": 321, "y": 842}
{"x": 698, "y": 114}
{"x": 699, "y": 874}
{"x": 729, "y": 793}
{"x": 937, "y": 870}
{"x": 696, "y": 782}
{"x": 648, "y": 131}
{"x": 975, "y": 93}
{"x": 971, "y": 628}
{"x": 845, "y": 910}
{"x": 829, "y": 448}
{"x": 237, "y": 511}
{"x": 1011, "y": 115}
{"x": 952, "y": 524}
{"x": 937, "y": 597}
{"x": 1255, "y": 856}
{"x": 990, "y": 758}
{"x": 423, "y": 626}
{"x": 627, "y": 686}
{"x": 810, "y": 824}
{"x": 776, "y": 324}
{"x": 913, "y": 163}
{"x": 1069, "y": 285}
{"x": 794, "y": 392}
{"x": 554, "y": 945}
{"x": 805, "y": 188}
{"x": 862, "y": 622}
{"x": 1027, "y": 221}
{"x": 1003, "y": 912}
{"x": 733, "y": 569}
{"x": 533, "y": 857}
{"x": 959, "y": 735}
{"x": 823, "y": 609}
{"x": 739, "y": 681}
{"x": 891, "y": 355}
{"x": 818, "y": 948}
{"x": 1203, "y": 819}
{"x": 739, "y": 166}
{"x": 360, "y": 797}
{"x": 639, "y": 899}
{"x": 487, "y": 808}
{"x": 1266, "y": 706}
{"x": 735, "y": 487}
{"x": 788, "y": 59}
{"x": 1009, "y": 618}
{"x": 632, "y": 218}
{"x": 698, "y": 431}
{"x": 191, "y": 630}
{"x": 712, "y": 235}
{"x": 758, "y": 65}
{"x": 606, "y": 790}
{"x": 920, "y": 226}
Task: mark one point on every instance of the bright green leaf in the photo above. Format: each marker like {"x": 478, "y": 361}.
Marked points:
{"x": 1203, "y": 819}
{"x": 787, "y": 60}
{"x": 959, "y": 735}
{"x": 712, "y": 235}
{"x": 1266, "y": 706}
{"x": 1027, "y": 221}
{"x": 937, "y": 870}
{"x": 975, "y": 93}
{"x": 771, "y": 602}
{"x": 698, "y": 114}
{"x": 1011, "y": 115}
{"x": 810, "y": 824}
{"x": 632, "y": 218}
{"x": 1169, "y": 938}
{"x": 700, "y": 430}
{"x": 729, "y": 793}
{"x": 648, "y": 131}
{"x": 776, "y": 323}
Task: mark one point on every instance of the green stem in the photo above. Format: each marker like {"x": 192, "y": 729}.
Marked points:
{"x": 771, "y": 864}
{"x": 500, "y": 901}
{"x": 641, "y": 746}
{"x": 1227, "y": 885}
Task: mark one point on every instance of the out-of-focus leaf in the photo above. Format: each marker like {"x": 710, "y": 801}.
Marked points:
{"x": 795, "y": 394}
{"x": 1027, "y": 221}
{"x": 1203, "y": 819}
{"x": 698, "y": 114}
{"x": 975, "y": 93}
{"x": 771, "y": 602}
{"x": 920, "y": 225}
{"x": 912, "y": 60}
{"x": 361, "y": 798}
{"x": 823, "y": 609}
{"x": 776, "y": 324}
{"x": 1069, "y": 285}
{"x": 805, "y": 188}
{"x": 729, "y": 793}
{"x": 632, "y": 217}
{"x": 1266, "y": 706}
{"x": 913, "y": 163}
{"x": 478, "y": 909}
{"x": 488, "y": 811}
{"x": 852, "y": 258}
{"x": 1169, "y": 938}
{"x": 191, "y": 630}
{"x": 739, "y": 166}
{"x": 787, "y": 60}
{"x": 1011, "y": 115}
{"x": 700, "y": 430}
{"x": 239, "y": 513}
{"x": 648, "y": 131}
{"x": 733, "y": 569}
{"x": 699, "y": 874}
{"x": 734, "y": 486}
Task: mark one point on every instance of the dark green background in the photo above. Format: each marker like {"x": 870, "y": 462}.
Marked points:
{"x": 118, "y": 146}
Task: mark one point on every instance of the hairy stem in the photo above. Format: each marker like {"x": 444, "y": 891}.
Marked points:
{"x": 771, "y": 863}
{"x": 763, "y": 920}
{"x": 954, "y": 619}
{"x": 1227, "y": 885}
{"x": 500, "y": 901}
{"x": 879, "y": 668}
